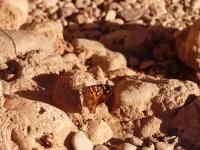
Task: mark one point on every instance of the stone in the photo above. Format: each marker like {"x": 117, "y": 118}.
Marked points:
{"x": 25, "y": 41}
{"x": 136, "y": 141}
{"x": 80, "y": 19}
{"x": 98, "y": 2}
{"x": 147, "y": 127}
{"x": 12, "y": 14}
{"x": 50, "y": 3}
{"x": 65, "y": 12}
{"x": 157, "y": 7}
{"x": 195, "y": 4}
{"x": 133, "y": 61}
{"x": 81, "y": 142}
{"x": 114, "y": 6}
{"x": 99, "y": 132}
{"x": 120, "y": 41}
{"x": 112, "y": 61}
{"x": 82, "y": 3}
{"x": 111, "y": 15}
{"x": 120, "y": 73}
{"x": 146, "y": 64}
{"x": 71, "y": 80}
{"x": 188, "y": 47}
{"x": 126, "y": 146}
{"x": 88, "y": 48}
{"x": 164, "y": 146}
{"x": 131, "y": 14}
{"x": 52, "y": 30}
{"x": 173, "y": 93}
{"x": 100, "y": 147}
{"x": 187, "y": 123}
{"x": 125, "y": 5}
{"x": 32, "y": 123}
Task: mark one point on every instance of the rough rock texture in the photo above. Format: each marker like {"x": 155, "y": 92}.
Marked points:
{"x": 86, "y": 48}
{"x": 187, "y": 123}
{"x": 20, "y": 42}
{"x": 160, "y": 100}
{"x": 27, "y": 124}
{"x": 100, "y": 147}
{"x": 187, "y": 44}
{"x": 99, "y": 132}
{"x": 52, "y": 30}
{"x": 69, "y": 93}
{"x": 149, "y": 127}
{"x": 133, "y": 42}
{"x": 126, "y": 146}
{"x": 158, "y": 96}
{"x": 37, "y": 65}
{"x": 13, "y": 14}
{"x": 111, "y": 61}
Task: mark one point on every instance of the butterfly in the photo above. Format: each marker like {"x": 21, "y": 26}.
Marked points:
{"x": 94, "y": 95}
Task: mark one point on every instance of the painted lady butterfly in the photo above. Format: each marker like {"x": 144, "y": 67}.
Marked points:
{"x": 97, "y": 94}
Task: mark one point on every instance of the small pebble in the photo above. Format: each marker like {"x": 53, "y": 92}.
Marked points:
{"x": 126, "y": 146}
{"x": 81, "y": 142}
{"x": 146, "y": 64}
{"x": 100, "y": 147}
{"x": 136, "y": 141}
{"x": 164, "y": 146}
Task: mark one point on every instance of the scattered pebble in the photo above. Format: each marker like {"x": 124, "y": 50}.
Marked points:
{"x": 164, "y": 146}
{"x": 146, "y": 64}
{"x": 136, "y": 141}
{"x": 81, "y": 142}
{"x": 126, "y": 146}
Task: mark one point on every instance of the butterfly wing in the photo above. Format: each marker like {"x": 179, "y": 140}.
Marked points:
{"x": 95, "y": 95}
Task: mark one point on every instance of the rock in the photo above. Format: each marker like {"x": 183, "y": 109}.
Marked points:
{"x": 131, "y": 14}
{"x": 13, "y": 14}
{"x": 69, "y": 93}
{"x": 80, "y": 19}
{"x": 52, "y": 30}
{"x": 82, "y": 3}
{"x": 187, "y": 45}
{"x": 113, "y": 6}
{"x": 136, "y": 141}
{"x": 121, "y": 41}
{"x": 179, "y": 148}
{"x": 126, "y": 146}
{"x": 112, "y": 61}
{"x": 98, "y": 2}
{"x": 148, "y": 127}
{"x": 157, "y": 7}
{"x": 125, "y": 5}
{"x": 86, "y": 48}
{"x": 99, "y": 132}
{"x": 146, "y": 64}
{"x": 187, "y": 123}
{"x": 31, "y": 124}
{"x": 37, "y": 66}
{"x": 133, "y": 61}
{"x": 99, "y": 74}
{"x": 120, "y": 73}
{"x": 100, "y": 147}
{"x": 195, "y": 4}
{"x": 1, "y": 90}
{"x": 81, "y": 142}
{"x": 111, "y": 15}
{"x": 50, "y": 3}
{"x": 161, "y": 97}
{"x": 164, "y": 146}
{"x": 24, "y": 42}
